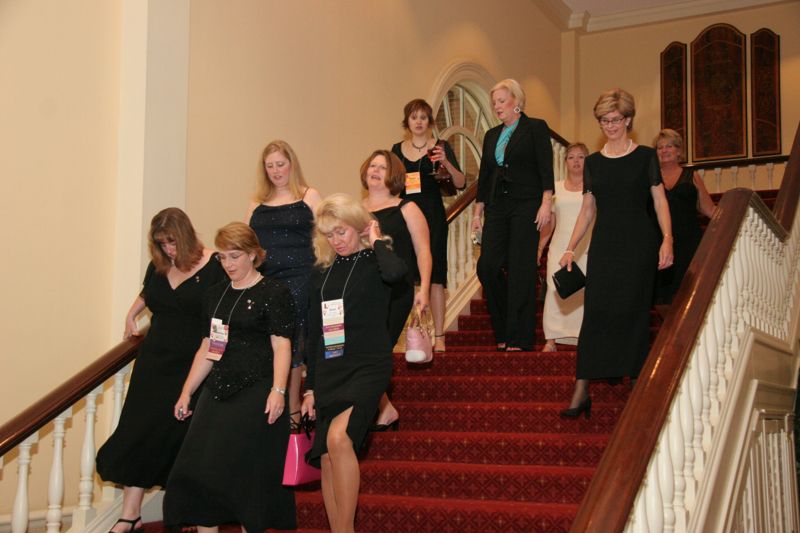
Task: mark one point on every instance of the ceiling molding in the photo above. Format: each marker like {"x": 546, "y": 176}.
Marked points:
{"x": 561, "y": 14}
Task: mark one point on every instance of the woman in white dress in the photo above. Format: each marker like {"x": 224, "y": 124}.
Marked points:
{"x": 562, "y": 319}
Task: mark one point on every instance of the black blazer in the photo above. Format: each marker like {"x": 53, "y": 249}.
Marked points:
{"x": 528, "y": 164}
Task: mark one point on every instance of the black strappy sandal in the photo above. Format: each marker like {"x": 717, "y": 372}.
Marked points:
{"x": 132, "y": 524}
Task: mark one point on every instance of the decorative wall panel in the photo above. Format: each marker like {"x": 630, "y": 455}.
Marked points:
{"x": 765, "y": 92}
{"x": 673, "y": 89}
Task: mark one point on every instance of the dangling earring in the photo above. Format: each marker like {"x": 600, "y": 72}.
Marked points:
{"x": 517, "y": 109}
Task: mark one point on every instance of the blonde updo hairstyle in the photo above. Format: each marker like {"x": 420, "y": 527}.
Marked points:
{"x": 514, "y": 88}
{"x": 616, "y": 100}
{"x": 576, "y": 146}
{"x": 674, "y": 138}
{"x": 240, "y": 236}
{"x": 297, "y": 183}
{"x": 335, "y": 211}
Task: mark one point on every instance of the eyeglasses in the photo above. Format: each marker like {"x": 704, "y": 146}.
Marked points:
{"x": 229, "y": 257}
{"x": 608, "y": 121}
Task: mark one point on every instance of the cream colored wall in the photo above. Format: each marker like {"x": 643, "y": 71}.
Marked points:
{"x": 331, "y": 78}
{"x": 629, "y": 58}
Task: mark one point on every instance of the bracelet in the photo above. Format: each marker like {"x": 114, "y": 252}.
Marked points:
{"x": 278, "y": 390}
{"x": 667, "y": 235}
{"x": 308, "y": 393}
{"x": 569, "y": 252}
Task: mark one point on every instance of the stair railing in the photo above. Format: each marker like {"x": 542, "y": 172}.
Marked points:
{"x": 23, "y": 431}
{"x": 705, "y": 441}
{"x": 754, "y": 173}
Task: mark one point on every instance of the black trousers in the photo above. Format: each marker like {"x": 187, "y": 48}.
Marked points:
{"x": 510, "y": 240}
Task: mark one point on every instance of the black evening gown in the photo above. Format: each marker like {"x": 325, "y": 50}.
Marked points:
{"x": 623, "y": 257}
{"x": 230, "y": 466}
{"x": 686, "y": 231}
{"x": 143, "y": 447}
{"x": 285, "y": 232}
{"x": 394, "y": 225}
{"x": 430, "y": 203}
{"x": 360, "y": 376}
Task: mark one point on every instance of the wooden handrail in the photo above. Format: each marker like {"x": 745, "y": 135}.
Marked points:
{"x": 462, "y": 202}
{"x": 613, "y": 489}
{"x": 739, "y": 162}
{"x": 46, "y": 409}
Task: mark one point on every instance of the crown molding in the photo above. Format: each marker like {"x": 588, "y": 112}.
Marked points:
{"x": 680, "y": 10}
{"x": 557, "y": 11}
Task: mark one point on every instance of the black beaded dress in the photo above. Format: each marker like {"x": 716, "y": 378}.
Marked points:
{"x": 285, "y": 232}
{"x": 430, "y": 203}
{"x": 686, "y": 231}
{"x": 230, "y": 466}
{"x": 394, "y": 225}
{"x": 623, "y": 257}
{"x": 360, "y": 376}
{"x": 146, "y": 441}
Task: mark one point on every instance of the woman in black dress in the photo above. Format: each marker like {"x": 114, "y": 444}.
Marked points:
{"x": 350, "y": 364}
{"x": 422, "y": 188}
{"x": 515, "y": 190}
{"x": 619, "y": 182}
{"x": 283, "y": 218}
{"x": 230, "y": 466}
{"x": 687, "y": 196}
{"x": 140, "y": 452}
{"x": 383, "y": 177}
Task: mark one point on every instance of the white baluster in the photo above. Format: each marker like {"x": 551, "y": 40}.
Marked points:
{"x": 718, "y": 176}
{"x": 119, "y": 396}
{"x": 19, "y": 514}
{"x": 696, "y": 393}
{"x": 735, "y": 174}
{"x": 652, "y": 491}
{"x": 770, "y": 174}
{"x": 677, "y": 455}
{"x": 752, "y": 169}
{"x": 665, "y": 476}
{"x": 55, "y": 491}
{"x": 687, "y": 426}
{"x": 710, "y": 345}
{"x": 88, "y": 451}
{"x": 641, "y": 523}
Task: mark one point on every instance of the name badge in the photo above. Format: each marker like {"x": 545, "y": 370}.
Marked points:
{"x": 333, "y": 327}
{"x": 413, "y": 183}
{"x": 218, "y": 338}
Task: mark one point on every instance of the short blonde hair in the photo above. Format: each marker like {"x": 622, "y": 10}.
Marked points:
{"x": 673, "y": 137}
{"x": 334, "y": 211}
{"x": 513, "y": 87}
{"x": 395, "y": 171}
{"x": 616, "y": 100}
{"x": 240, "y": 236}
{"x": 297, "y": 183}
{"x": 576, "y": 146}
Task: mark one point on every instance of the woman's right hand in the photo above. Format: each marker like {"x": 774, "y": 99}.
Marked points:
{"x": 566, "y": 261}
{"x": 181, "y": 409}
{"x": 131, "y": 329}
{"x": 307, "y": 407}
{"x": 477, "y": 224}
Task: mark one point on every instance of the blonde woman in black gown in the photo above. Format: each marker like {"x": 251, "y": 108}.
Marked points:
{"x": 624, "y": 253}
{"x": 140, "y": 452}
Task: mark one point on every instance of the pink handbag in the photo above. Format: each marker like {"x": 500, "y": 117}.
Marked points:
{"x": 296, "y": 471}
{"x": 419, "y": 348}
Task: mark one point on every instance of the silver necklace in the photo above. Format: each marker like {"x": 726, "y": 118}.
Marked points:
{"x": 419, "y": 148}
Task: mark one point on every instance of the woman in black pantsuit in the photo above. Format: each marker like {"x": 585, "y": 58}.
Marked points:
{"x": 515, "y": 189}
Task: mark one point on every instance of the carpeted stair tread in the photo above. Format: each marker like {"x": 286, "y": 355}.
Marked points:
{"x": 561, "y": 363}
{"x": 561, "y": 449}
{"x": 382, "y": 513}
{"x": 486, "y": 336}
{"x": 523, "y": 417}
{"x": 543, "y": 484}
{"x": 497, "y": 389}
{"x": 481, "y": 321}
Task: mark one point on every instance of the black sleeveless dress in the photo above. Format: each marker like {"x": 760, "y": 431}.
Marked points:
{"x": 285, "y": 232}
{"x": 146, "y": 441}
{"x": 394, "y": 225}
{"x": 430, "y": 203}
{"x": 686, "y": 231}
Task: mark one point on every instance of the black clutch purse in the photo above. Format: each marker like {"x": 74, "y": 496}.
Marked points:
{"x": 568, "y": 283}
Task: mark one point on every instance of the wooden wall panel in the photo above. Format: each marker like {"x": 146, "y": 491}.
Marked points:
{"x": 673, "y": 89}
{"x": 765, "y": 92}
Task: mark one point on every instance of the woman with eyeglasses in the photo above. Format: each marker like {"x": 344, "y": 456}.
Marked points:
{"x": 140, "y": 452}
{"x": 625, "y": 251}
{"x": 230, "y": 466}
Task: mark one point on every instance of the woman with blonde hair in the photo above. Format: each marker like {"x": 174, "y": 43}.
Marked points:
{"x": 619, "y": 182}
{"x": 515, "y": 189}
{"x": 140, "y": 453}
{"x": 687, "y": 196}
{"x": 350, "y": 363}
{"x": 282, "y": 216}
{"x": 230, "y": 466}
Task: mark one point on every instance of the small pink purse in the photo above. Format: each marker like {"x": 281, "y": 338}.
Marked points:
{"x": 296, "y": 471}
{"x": 419, "y": 348}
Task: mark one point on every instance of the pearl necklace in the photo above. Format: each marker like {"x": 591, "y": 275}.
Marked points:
{"x": 606, "y": 153}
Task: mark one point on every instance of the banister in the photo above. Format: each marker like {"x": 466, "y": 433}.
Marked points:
{"x": 607, "y": 504}
{"x": 54, "y": 403}
{"x": 743, "y": 162}
{"x": 462, "y": 202}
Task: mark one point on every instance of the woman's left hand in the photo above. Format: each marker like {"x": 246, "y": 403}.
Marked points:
{"x": 665, "y": 256}
{"x": 275, "y": 403}
{"x": 543, "y": 216}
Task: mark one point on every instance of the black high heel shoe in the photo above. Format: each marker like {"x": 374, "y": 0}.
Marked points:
{"x": 132, "y": 523}
{"x": 385, "y": 427}
{"x": 574, "y": 412}
{"x": 294, "y": 425}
